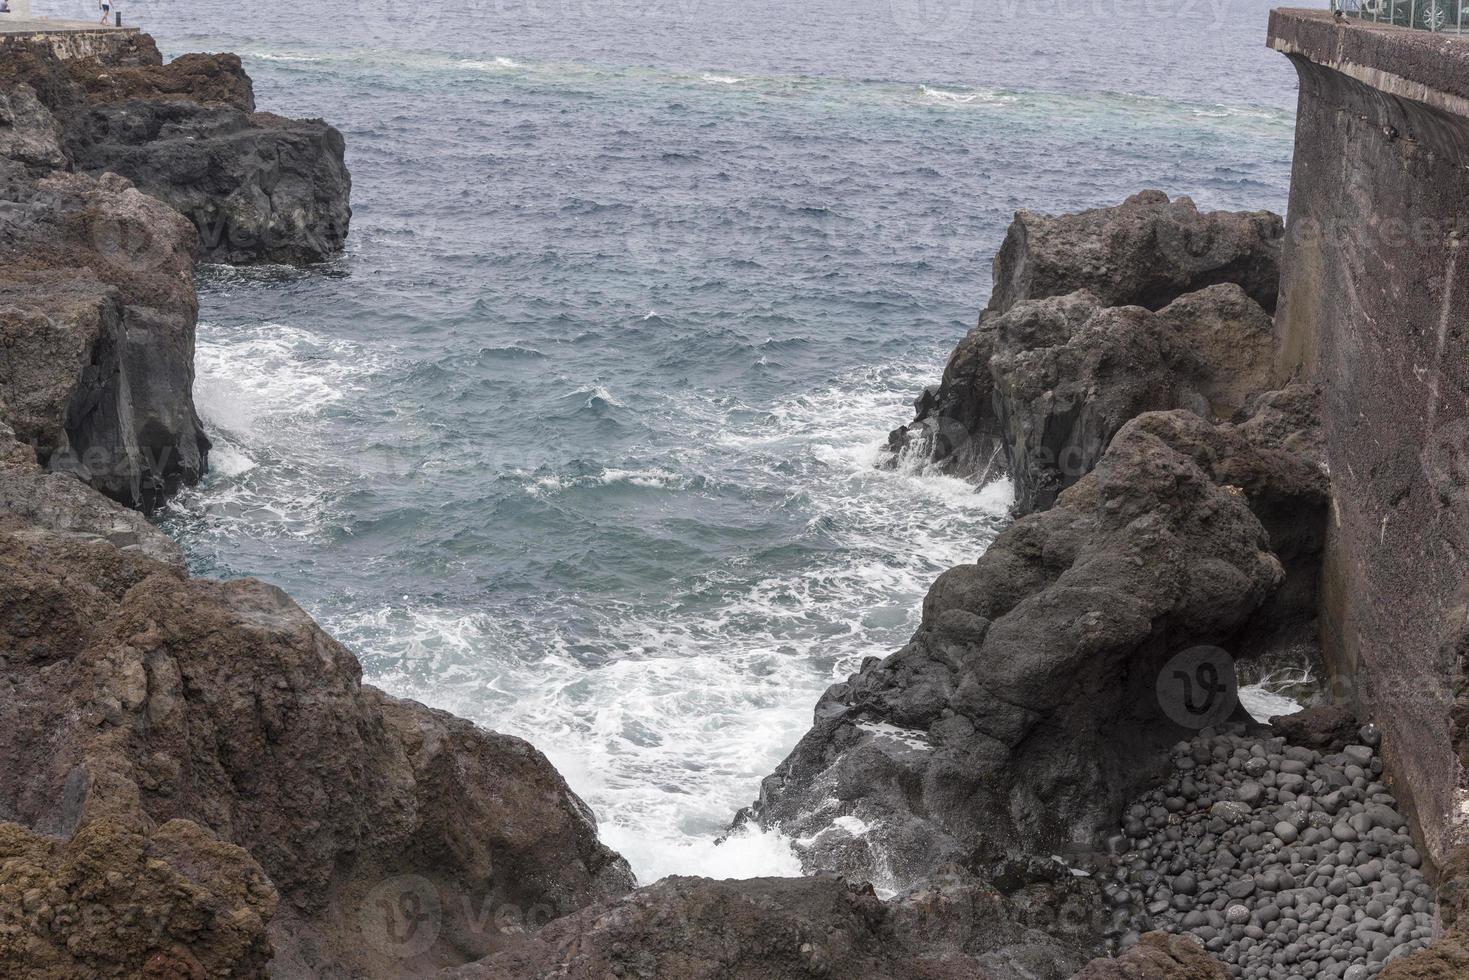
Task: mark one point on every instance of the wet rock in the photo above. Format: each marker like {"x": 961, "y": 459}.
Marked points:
{"x": 1026, "y": 742}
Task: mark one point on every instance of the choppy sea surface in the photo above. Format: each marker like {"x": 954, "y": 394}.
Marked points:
{"x": 577, "y": 438}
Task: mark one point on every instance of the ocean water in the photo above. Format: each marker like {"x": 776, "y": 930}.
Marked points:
{"x": 578, "y": 438}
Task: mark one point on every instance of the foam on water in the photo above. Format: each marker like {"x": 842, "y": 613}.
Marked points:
{"x": 943, "y": 96}
{"x": 692, "y": 701}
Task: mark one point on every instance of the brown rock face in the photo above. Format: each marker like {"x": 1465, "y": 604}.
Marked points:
{"x": 171, "y": 903}
{"x": 1157, "y": 956}
{"x": 761, "y": 929}
{"x": 97, "y": 314}
{"x": 135, "y": 698}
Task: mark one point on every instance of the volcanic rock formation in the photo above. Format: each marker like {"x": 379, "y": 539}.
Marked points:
{"x": 258, "y": 187}
{"x": 1094, "y": 319}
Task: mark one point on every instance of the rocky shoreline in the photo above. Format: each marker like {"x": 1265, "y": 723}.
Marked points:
{"x": 195, "y": 782}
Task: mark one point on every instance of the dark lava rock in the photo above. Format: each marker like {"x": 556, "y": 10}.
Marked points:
{"x": 1068, "y": 373}
{"x": 258, "y": 187}
{"x": 1147, "y": 251}
{"x": 97, "y": 315}
{"x": 1024, "y": 713}
{"x": 1060, "y": 362}
{"x": 1157, "y": 956}
{"x": 134, "y": 699}
{"x": 1326, "y": 728}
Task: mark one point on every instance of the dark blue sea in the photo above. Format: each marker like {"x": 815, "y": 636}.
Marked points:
{"x": 578, "y": 437}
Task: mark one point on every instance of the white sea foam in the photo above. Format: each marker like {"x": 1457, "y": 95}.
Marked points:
{"x": 271, "y": 56}
{"x": 492, "y": 65}
{"x": 720, "y": 79}
{"x": 944, "y": 96}
{"x": 229, "y": 460}
{"x": 1263, "y": 704}
{"x": 273, "y": 372}
{"x": 745, "y": 853}
{"x": 690, "y": 703}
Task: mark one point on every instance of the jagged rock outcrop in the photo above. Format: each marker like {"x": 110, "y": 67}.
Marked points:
{"x": 257, "y": 186}
{"x": 1023, "y": 710}
{"x": 1146, "y": 252}
{"x": 1158, "y": 956}
{"x": 29, "y": 134}
{"x": 97, "y": 315}
{"x": 1078, "y": 338}
{"x": 135, "y": 699}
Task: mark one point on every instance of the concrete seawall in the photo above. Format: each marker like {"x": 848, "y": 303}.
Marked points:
{"x": 71, "y": 39}
{"x": 1375, "y": 305}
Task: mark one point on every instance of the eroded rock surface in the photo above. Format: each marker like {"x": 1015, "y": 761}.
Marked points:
{"x": 1089, "y": 325}
{"x": 1023, "y": 713}
{"x": 97, "y": 315}
{"x": 257, "y": 186}
{"x": 135, "y": 698}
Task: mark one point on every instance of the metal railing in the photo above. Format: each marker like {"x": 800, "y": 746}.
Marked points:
{"x": 1440, "y": 16}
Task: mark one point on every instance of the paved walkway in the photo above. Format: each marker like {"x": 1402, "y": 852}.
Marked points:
{"x": 11, "y": 24}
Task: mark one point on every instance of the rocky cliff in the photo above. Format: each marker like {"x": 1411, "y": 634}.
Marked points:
{"x": 258, "y": 187}
{"x": 195, "y": 782}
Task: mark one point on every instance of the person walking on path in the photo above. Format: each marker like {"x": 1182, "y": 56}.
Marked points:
{"x": 106, "y": 9}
